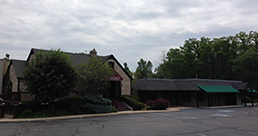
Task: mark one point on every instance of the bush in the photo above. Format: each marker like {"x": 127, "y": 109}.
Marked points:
{"x": 132, "y": 101}
{"x": 27, "y": 114}
{"x": 95, "y": 104}
{"x": 133, "y": 96}
{"x": 158, "y": 104}
{"x": 248, "y": 99}
{"x": 148, "y": 108}
{"x": 74, "y": 107}
{"x": 64, "y": 104}
{"x": 114, "y": 109}
{"x": 32, "y": 105}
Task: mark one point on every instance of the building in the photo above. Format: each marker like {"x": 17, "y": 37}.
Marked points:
{"x": 120, "y": 82}
{"x": 193, "y": 92}
{"x": 4, "y": 63}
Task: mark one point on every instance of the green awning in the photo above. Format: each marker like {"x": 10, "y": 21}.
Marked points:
{"x": 218, "y": 89}
{"x": 254, "y": 91}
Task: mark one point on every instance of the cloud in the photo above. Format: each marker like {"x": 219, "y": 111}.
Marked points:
{"x": 128, "y": 29}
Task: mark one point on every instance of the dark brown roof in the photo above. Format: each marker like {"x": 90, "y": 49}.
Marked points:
{"x": 183, "y": 84}
{"x": 78, "y": 58}
{"x": 19, "y": 66}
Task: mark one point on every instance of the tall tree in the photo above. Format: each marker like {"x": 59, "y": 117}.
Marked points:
{"x": 208, "y": 58}
{"x": 50, "y": 75}
{"x": 245, "y": 67}
{"x": 127, "y": 69}
{"x": 143, "y": 70}
{"x": 93, "y": 76}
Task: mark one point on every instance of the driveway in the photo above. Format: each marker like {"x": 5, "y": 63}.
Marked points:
{"x": 189, "y": 122}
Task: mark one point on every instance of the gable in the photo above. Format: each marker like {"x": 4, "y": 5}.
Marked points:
{"x": 77, "y": 59}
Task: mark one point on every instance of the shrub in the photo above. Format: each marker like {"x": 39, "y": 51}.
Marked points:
{"x": 148, "y": 108}
{"x": 64, "y": 104}
{"x": 132, "y": 101}
{"x": 248, "y": 99}
{"x": 95, "y": 104}
{"x": 158, "y": 104}
{"x": 27, "y": 114}
{"x": 32, "y": 105}
{"x": 114, "y": 109}
{"x": 74, "y": 107}
{"x": 133, "y": 96}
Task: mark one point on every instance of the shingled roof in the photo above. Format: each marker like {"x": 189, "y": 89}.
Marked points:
{"x": 78, "y": 58}
{"x": 183, "y": 84}
{"x": 19, "y": 66}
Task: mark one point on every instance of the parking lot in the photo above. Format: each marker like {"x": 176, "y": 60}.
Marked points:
{"x": 241, "y": 121}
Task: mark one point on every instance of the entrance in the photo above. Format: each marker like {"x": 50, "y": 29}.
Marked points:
{"x": 114, "y": 91}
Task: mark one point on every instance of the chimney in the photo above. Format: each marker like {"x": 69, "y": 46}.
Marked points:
{"x": 93, "y": 52}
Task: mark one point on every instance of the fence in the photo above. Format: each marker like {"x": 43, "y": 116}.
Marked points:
{"x": 17, "y": 96}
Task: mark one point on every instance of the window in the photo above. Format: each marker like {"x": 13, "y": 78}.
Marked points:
{"x": 111, "y": 64}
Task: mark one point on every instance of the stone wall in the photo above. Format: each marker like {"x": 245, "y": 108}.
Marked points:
{"x": 13, "y": 79}
{"x": 126, "y": 82}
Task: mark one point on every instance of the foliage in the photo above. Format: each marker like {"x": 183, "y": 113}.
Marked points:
{"x": 32, "y": 105}
{"x": 132, "y": 101}
{"x": 147, "y": 108}
{"x": 27, "y": 114}
{"x": 248, "y": 99}
{"x": 64, "y": 104}
{"x": 127, "y": 69}
{"x": 133, "y": 97}
{"x": 143, "y": 70}
{"x": 246, "y": 65}
{"x": 50, "y": 75}
{"x": 93, "y": 76}
{"x": 158, "y": 104}
{"x": 95, "y": 104}
{"x": 114, "y": 109}
{"x": 75, "y": 107}
{"x": 43, "y": 113}
{"x": 229, "y": 58}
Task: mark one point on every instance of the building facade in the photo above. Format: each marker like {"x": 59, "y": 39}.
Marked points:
{"x": 16, "y": 67}
{"x": 192, "y": 92}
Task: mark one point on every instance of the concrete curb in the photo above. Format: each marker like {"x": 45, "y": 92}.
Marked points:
{"x": 86, "y": 115}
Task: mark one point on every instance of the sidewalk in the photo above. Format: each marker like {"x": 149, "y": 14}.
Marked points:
{"x": 10, "y": 120}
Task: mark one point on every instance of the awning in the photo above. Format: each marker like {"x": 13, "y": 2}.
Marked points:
{"x": 116, "y": 77}
{"x": 254, "y": 91}
{"x": 218, "y": 89}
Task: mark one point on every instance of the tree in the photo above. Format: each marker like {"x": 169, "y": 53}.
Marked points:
{"x": 93, "y": 76}
{"x": 50, "y": 75}
{"x": 143, "y": 70}
{"x": 127, "y": 69}
{"x": 208, "y": 58}
{"x": 245, "y": 67}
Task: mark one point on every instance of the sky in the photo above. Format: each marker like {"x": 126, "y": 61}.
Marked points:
{"x": 128, "y": 29}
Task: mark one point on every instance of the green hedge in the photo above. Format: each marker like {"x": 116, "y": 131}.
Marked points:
{"x": 95, "y": 104}
{"x": 32, "y": 105}
{"x": 65, "y": 104}
{"x": 132, "y": 101}
{"x": 248, "y": 99}
{"x": 133, "y": 96}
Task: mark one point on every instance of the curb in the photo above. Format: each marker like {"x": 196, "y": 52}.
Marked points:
{"x": 86, "y": 116}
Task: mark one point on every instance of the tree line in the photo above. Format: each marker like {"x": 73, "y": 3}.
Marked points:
{"x": 228, "y": 58}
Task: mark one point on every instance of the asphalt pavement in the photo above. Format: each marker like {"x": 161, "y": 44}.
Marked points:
{"x": 227, "y": 121}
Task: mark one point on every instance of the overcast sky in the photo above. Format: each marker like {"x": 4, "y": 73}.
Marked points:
{"x": 129, "y": 30}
